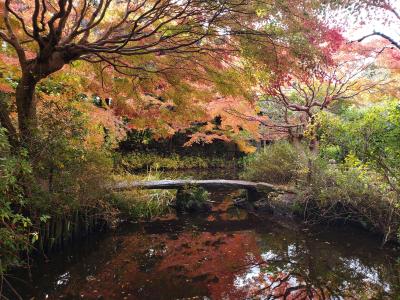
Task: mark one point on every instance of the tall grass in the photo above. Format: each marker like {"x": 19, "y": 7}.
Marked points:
{"x": 141, "y": 204}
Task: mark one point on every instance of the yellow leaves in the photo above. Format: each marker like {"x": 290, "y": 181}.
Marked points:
{"x": 100, "y": 121}
{"x": 202, "y": 138}
{"x": 262, "y": 12}
{"x": 262, "y": 75}
{"x": 352, "y": 161}
{"x": 245, "y": 147}
{"x": 114, "y": 14}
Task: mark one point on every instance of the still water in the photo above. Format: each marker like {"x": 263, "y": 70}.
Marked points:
{"x": 226, "y": 254}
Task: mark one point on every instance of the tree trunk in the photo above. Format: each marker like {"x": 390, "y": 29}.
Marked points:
{"x": 314, "y": 143}
{"x": 313, "y": 146}
{"x": 26, "y": 106}
{"x": 295, "y": 139}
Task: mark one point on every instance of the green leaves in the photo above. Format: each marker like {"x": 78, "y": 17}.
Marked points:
{"x": 14, "y": 227}
{"x": 372, "y": 135}
{"x": 44, "y": 218}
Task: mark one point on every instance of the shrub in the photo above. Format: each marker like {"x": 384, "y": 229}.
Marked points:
{"x": 371, "y": 134}
{"x": 366, "y": 143}
{"x": 61, "y": 176}
{"x": 70, "y": 172}
{"x": 276, "y": 163}
{"x": 350, "y": 191}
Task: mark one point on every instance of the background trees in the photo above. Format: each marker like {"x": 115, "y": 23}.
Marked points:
{"x": 166, "y": 64}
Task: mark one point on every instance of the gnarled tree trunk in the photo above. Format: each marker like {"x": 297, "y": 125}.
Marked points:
{"x": 26, "y": 108}
{"x": 48, "y": 62}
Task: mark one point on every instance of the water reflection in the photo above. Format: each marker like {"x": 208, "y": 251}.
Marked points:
{"x": 63, "y": 279}
{"x": 225, "y": 255}
{"x": 309, "y": 269}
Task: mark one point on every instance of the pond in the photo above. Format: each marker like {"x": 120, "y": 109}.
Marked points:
{"x": 225, "y": 254}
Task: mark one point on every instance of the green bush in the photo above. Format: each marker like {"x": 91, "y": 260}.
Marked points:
{"x": 348, "y": 190}
{"x": 70, "y": 173}
{"x": 366, "y": 143}
{"x": 372, "y": 134}
{"x": 61, "y": 175}
{"x": 276, "y": 163}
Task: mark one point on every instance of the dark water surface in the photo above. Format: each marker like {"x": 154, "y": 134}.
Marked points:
{"x": 226, "y": 254}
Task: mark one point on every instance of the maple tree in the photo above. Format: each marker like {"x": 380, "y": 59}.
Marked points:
{"x": 135, "y": 38}
{"x": 318, "y": 88}
{"x": 47, "y": 35}
{"x": 288, "y": 102}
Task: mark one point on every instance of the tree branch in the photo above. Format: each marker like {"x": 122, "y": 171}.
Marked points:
{"x": 386, "y": 37}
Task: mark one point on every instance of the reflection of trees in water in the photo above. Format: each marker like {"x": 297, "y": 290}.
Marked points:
{"x": 302, "y": 268}
{"x": 234, "y": 259}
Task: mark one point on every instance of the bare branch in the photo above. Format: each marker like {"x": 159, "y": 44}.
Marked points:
{"x": 386, "y": 37}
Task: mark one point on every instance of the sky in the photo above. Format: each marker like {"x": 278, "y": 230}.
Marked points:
{"x": 373, "y": 25}
{"x": 356, "y": 29}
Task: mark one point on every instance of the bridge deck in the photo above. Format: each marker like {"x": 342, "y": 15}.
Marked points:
{"x": 211, "y": 184}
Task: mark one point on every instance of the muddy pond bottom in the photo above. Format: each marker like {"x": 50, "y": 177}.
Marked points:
{"x": 226, "y": 254}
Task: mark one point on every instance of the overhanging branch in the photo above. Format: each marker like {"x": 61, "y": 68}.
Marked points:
{"x": 385, "y": 36}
